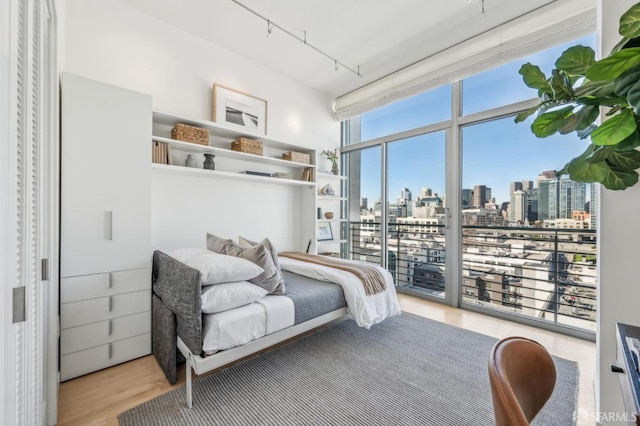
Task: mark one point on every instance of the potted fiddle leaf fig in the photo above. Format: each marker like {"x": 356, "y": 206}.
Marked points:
{"x": 570, "y": 101}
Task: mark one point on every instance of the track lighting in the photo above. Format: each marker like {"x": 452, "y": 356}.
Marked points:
{"x": 271, "y": 25}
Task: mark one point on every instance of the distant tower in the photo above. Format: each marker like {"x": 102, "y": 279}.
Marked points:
{"x": 405, "y": 194}
{"x": 467, "y": 198}
{"x": 479, "y": 196}
{"x": 565, "y": 197}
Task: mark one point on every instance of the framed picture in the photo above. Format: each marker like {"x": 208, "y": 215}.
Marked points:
{"x": 239, "y": 110}
{"x": 324, "y": 231}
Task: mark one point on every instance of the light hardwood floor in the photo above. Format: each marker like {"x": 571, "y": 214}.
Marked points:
{"x": 98, "y": 398}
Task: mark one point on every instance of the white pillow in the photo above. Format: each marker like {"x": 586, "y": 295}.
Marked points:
{"x": 183, "y": 254}
{"x": 222, "y": 297}
{"x": 216, "y": 268}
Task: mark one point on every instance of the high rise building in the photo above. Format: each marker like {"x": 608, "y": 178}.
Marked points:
{"x": 565, "y": 196}
{"x": 519, "y": 206}
{"x": 405, "y": 194}
{"x": 480, "y": 196}
{"x": 543, "y": 199}
{"x": 467, "y": 198}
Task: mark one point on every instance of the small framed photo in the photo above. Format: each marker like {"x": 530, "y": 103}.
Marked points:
{"x": 239, "y": 110}
{"x": 324, "y": 231}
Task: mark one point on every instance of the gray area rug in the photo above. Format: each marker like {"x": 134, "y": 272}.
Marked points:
{"x": 407, "y": 370}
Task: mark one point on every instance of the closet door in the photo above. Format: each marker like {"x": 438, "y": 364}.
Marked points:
{"x": 106, "y": 178}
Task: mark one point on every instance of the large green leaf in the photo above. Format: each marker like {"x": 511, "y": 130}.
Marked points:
{"x": 575, "y": 60}
{"x": 618, "y": 179}
{"x": 580, "y": 170}
{"x": 548, "y": 123}
{"x": 594, "y": 88}
{"x": 587, "y": 115}
{"x": 625, "y": 43}
{"x": 570, "y": 124}
{"x": 611, "y": 67}
{"x": 629, "y": 143}
{"x": 534, "y": 77}
{"x": 633, "y": 97}
{"x": 630, "y": 22}
{"x": 561, "y": 86}
{"x": 615, "y": 129}
{"x": 624, "y": 159}
{"x": 621, "y": 159}
{"x": 525, "y": 114}
{"x": 623, "y": 83}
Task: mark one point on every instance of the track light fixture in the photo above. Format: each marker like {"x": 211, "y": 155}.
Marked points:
{"x": 271, "y": 25}
{"x": 480, "y": 5}
{"x": 269, "y": 28}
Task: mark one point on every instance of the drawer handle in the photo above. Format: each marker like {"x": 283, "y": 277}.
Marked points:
{"x": 110, "y": 225}
{"x": 110, "y": 327}
{"x": 110, "y": 350}
{"x": 616, "y": 369}
{"x": 110, "y": 280}
{"x": 110, "y": 303}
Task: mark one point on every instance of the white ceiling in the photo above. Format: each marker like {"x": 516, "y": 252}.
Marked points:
{"x": 381, "y": 36}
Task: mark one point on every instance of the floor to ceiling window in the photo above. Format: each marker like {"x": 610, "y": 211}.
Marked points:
{"x": 526, "y": 241}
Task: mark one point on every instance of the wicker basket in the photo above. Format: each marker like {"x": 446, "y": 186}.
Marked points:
{"x": 247, "y": 145}
{"x": 298, "y": 157}
{"x": 186, "y": 133}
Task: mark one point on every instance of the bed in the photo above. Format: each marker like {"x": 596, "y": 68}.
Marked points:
{"x": 315, "y": 295}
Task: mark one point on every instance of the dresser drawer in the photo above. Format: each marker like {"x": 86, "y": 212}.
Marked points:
{"x": 98, "y": 333}
{"x": 99, "y": 357}
{"x": 73, "y": 289}
{"x": 89, "y": 311}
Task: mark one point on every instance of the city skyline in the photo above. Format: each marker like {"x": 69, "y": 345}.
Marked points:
{"x": 494, "y": 153}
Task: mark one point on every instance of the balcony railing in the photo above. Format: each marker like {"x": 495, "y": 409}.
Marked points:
{"x": 548, "y": 274}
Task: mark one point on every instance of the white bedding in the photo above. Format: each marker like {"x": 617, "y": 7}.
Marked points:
{"x": 235, "y": 327}
{"x": 365, "y": 310}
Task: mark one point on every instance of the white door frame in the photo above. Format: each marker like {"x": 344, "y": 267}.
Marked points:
{"x": 29, "y": 175}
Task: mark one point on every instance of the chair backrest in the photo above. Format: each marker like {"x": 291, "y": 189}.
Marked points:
{"x": 522, "y": 376}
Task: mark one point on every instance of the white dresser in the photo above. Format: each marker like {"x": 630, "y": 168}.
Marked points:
{"x": 105, "y": 256}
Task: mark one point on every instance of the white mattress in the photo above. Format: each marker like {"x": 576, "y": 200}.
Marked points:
{"x": 235, "y": 327}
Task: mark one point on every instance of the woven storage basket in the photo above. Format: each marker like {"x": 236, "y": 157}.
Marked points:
{"x": 247, "y": 145}
{"x": 186, "y": 133}
{"x": 298, "y": 157}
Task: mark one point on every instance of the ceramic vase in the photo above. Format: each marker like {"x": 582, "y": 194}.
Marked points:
{"x": 190, "y": 161}
{"x": 209, "y": 164}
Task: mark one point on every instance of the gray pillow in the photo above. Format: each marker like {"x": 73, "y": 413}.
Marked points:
{"x": 217, "y": 244}
{"x": 271, "y": 279}
{"x": 274, "y": 254}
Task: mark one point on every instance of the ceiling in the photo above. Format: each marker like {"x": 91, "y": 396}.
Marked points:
{"x": 380, "y": 36}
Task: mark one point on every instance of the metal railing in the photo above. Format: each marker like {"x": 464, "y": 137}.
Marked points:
{"x": 548, "y": 274}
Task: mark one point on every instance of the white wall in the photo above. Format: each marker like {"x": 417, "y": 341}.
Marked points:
{"x": 619, "y": 233}
{"x": 107, "y": 40}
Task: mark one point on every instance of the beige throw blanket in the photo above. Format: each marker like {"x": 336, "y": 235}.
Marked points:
{"x": 372, "y": 280}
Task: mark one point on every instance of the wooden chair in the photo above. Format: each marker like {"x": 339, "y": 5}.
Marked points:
{"x": 522, "y": 376}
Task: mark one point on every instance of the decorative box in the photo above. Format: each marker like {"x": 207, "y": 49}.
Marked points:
{"x": 186, "y": 133}
{"x": 298, "y": 157}
{"x": 247, "y": 145}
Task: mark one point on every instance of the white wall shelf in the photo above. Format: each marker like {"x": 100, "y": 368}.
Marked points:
{"x": 170, "y": 120}
{"x": 331, "y": 198}
{"x": 330, "y": 176}
{"x": 181, "y": 170}
{"x": 228, "y": 153}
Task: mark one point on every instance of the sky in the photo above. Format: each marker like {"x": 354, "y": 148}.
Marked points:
{"x": 494, "y": 153}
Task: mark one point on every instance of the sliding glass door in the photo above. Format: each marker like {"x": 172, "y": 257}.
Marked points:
{"x": 416, "y": 213}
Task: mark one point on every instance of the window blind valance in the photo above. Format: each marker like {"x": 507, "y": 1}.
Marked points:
{"x": 555, "y": 23}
